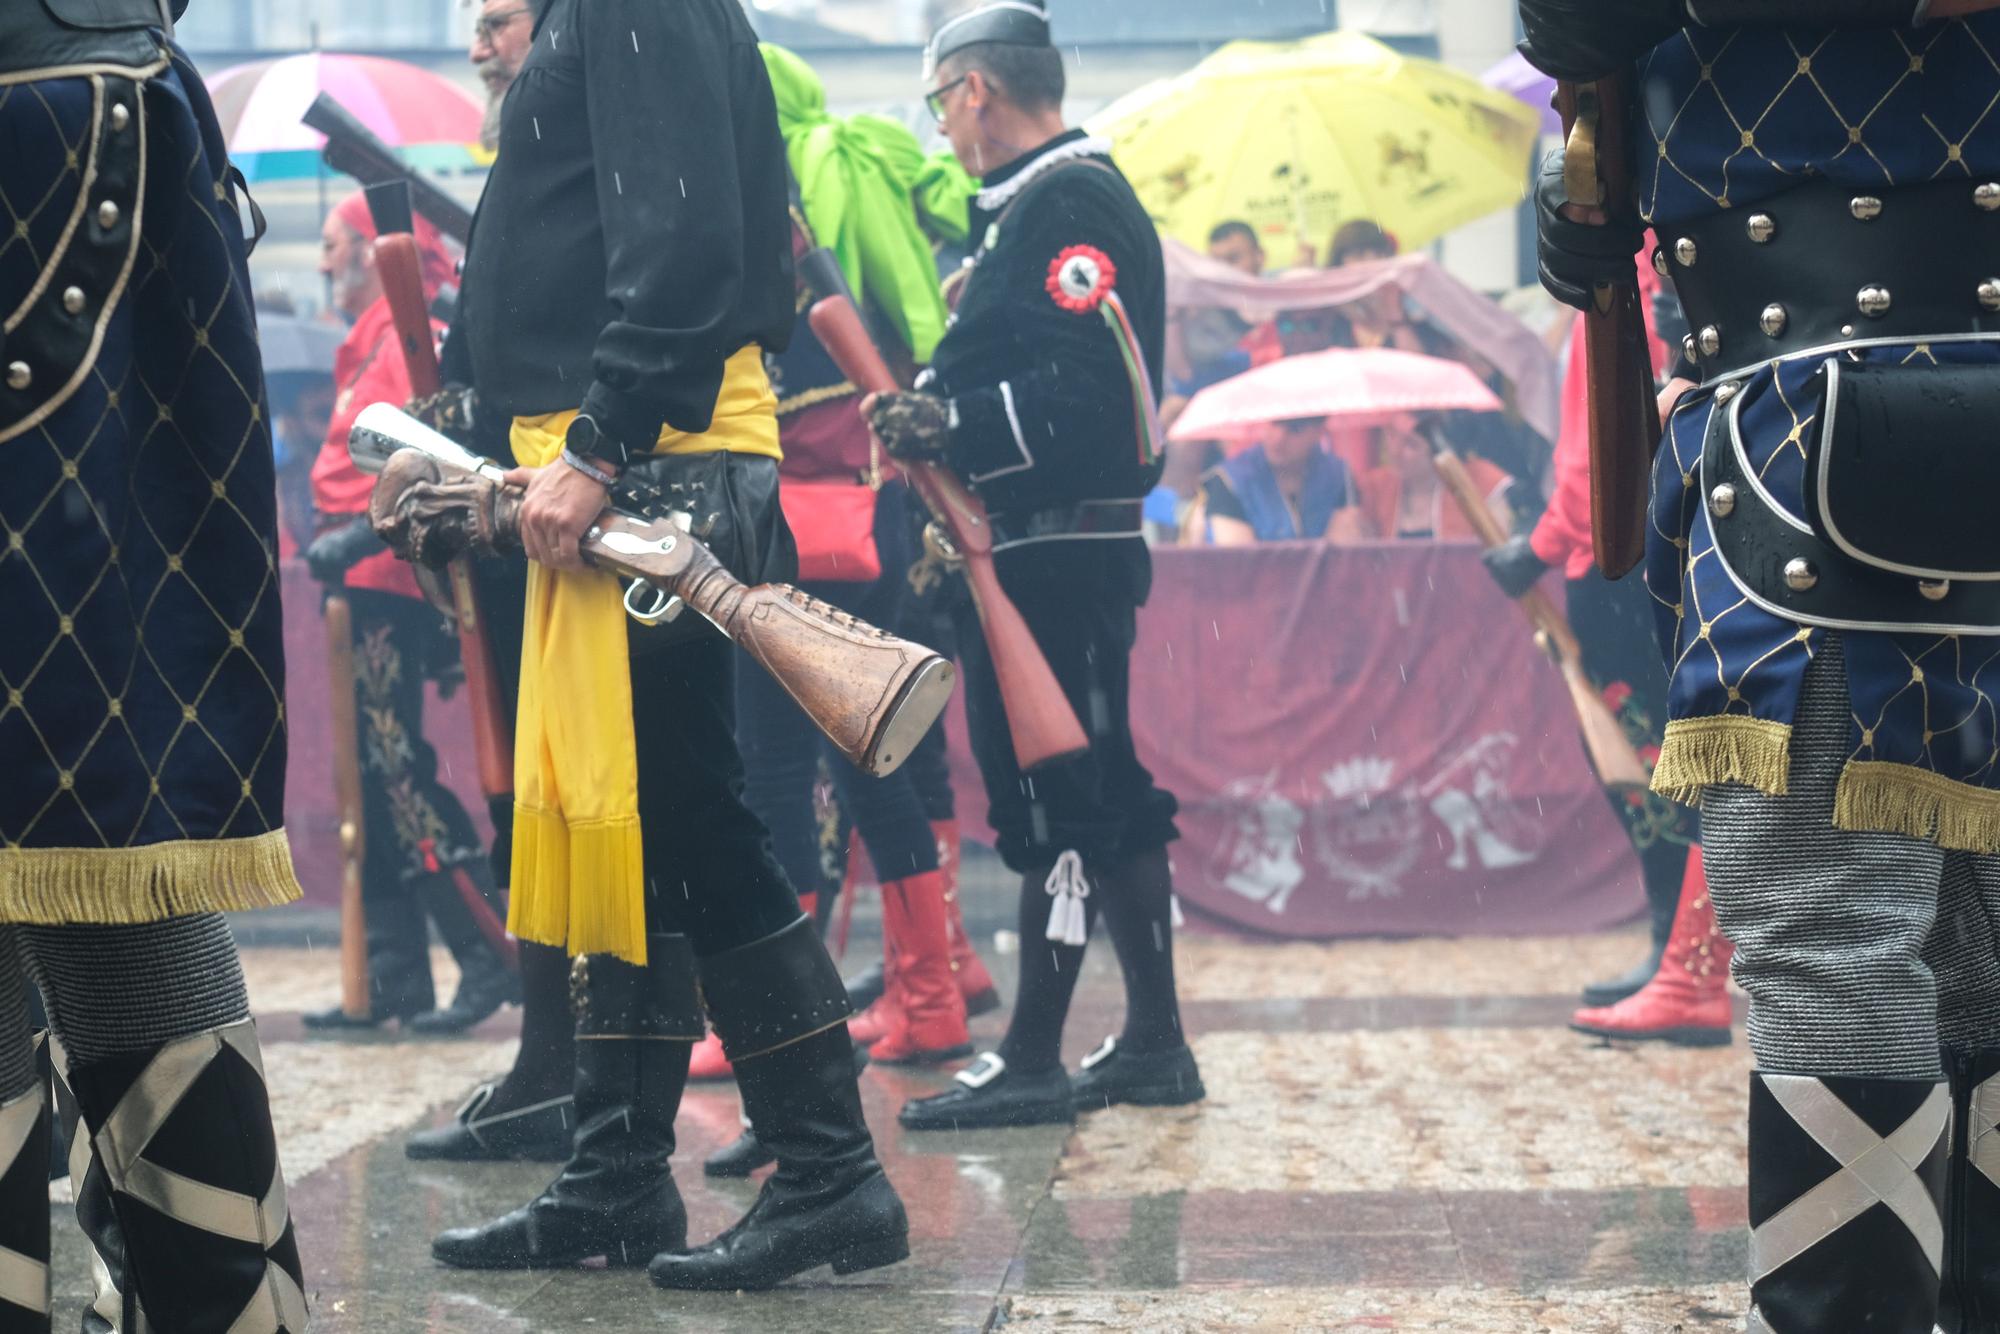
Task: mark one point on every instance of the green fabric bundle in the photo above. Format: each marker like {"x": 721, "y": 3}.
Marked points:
{"x": 858, "y": 178}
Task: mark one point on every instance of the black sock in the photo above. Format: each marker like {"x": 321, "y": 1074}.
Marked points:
{"x": 1048, "y": 979}
{"x": 546, "y": 1065}
{"x": 1135, "y": 901}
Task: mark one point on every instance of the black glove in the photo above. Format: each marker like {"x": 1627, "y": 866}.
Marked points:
{"x": 1576, "y": 256}
{"x": 912, "y": 427}
{"x": 1582, "y": 40}
{"x": 337, "y": 550}
{"x": 1514, "y": 566}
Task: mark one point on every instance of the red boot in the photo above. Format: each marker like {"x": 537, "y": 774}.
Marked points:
{"x": 868, "y": 1027}
{"x": 709, "y": 1063}
{"x": 1687, "y": 1002}
{"x": 931, "y": 1013}
{"x": 974, "y": 982}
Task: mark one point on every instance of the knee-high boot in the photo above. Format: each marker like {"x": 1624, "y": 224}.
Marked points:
{"x": 926, "y": 1023}
{"x": 1970, "y": 1300}
{"x": 531, "y": 1114}
{"x": 1687, "y": 1001}
{"x": 114, "y": 1309}
{"x": 782, "y": 1012}
{"x": 182, "y": 1135}
{"x": 615, "y": 1197}
{"x": 489, "y": 970}
{"x": 1847, "y": 1184}
{"x": 24, "y": 1212}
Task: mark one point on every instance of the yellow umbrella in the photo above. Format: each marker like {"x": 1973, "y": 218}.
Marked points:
{"x": 1300, "y": 137}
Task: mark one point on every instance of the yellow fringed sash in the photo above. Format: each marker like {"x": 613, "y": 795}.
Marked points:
{"x": 578, "y": 871}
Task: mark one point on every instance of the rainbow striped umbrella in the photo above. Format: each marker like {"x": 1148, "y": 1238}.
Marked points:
{"x": 430, "y": 119}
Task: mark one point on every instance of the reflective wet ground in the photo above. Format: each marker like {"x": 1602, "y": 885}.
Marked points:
{"x": 1398, "y": 1136}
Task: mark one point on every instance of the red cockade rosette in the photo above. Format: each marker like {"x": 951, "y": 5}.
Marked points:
{"x": 1080, "y": 278}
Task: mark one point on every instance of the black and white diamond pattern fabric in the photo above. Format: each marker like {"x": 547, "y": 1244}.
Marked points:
{"x": 141, "y": 673}
{"x": 24, "y": 1212}
{"x": 1848, "y": 1179}
{"x": 184, "y": 1141}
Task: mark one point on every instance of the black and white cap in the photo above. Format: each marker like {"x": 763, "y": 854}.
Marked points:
{"x": 1012, "y": 22}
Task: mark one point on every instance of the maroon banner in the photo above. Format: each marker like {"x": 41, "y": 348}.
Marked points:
{"x": 1365, "y": 741}
{"x": 312, "y": 817}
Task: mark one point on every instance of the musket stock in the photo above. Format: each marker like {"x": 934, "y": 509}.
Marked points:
{"x": 344, "y": 715}
{"x": 872, "y": 693}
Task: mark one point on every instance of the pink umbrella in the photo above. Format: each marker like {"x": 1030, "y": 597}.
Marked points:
{"x": 1356, "y": 387}
{"x": 259, "y": 104}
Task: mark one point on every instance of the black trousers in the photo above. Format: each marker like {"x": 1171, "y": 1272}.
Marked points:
{"x": 1103, "y": 805}
{"x": 712, "y": 873}
{"x": 783, "y": 751}
{"x": 416, "y": 828}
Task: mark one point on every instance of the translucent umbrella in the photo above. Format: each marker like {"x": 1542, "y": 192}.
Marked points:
{"x": 1299, "y": 137}
{"x": 1353, "y": 386}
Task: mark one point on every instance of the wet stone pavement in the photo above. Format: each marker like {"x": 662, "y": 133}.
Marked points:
{"x": 1399, "y": 1136}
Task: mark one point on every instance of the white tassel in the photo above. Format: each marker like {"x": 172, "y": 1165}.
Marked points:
{"x": 1175, "y": 918}
{"x": 1067, "y": 923}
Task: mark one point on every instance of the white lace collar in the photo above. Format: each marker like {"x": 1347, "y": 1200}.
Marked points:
{"x": 996, "y": 197}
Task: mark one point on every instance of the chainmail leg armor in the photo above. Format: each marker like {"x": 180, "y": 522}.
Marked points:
{"x": 1859, "y": 950}
{"x": 1964, "y": 953}
{"x": 118, "y": 989}
{"x": 17, "y": 1047}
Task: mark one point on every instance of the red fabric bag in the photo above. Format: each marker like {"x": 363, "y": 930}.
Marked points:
{"x": 834, "y": 526}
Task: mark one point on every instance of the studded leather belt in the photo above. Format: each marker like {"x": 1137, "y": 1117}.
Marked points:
{"x": 1089, "y": 519}
{"x": 1824, "y": 265}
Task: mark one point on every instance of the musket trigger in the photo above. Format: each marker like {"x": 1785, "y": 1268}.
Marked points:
{"x": 664, "y": 606}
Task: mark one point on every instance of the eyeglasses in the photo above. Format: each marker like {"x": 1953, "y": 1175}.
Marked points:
{"x": 934, "y": 99}
{"x": 490, "y": 26}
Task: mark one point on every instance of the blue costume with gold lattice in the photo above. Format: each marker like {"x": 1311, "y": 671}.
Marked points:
{"x": 1740, "y": 117}
{"x": 142, "y": 726}
{"x": 1826, "y": 571}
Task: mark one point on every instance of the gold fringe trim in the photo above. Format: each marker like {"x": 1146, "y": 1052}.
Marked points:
{"x": 579, "y": 887}
{"x": 1732, "y": 748}
{"x": 123, "y": 886}
{"x": 1878, "y": 797}
{"x": 812, "y": 398}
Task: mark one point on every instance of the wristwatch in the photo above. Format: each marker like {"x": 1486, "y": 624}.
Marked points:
{"x": 584, "y": 437}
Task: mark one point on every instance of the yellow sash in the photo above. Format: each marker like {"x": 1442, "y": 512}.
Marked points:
{"x": 578, "y": 871}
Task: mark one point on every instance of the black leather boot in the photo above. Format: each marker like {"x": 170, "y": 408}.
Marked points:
{"x": 540, "y": 1132}
{"x": 743, "y": 1158}
{"x": 1863, "y": 1253}
{"x": 1112, "y": 1074}
{"x": 1970, "y": 1300}
{"x": 782, "y": 1012}
{"x": 866, "y": 987}
{"x": 182, "y": 1134}
{"x": 24, "y": 1212}
{"x": 486, "y": 980}
{"x": 616, "y": 1196}
{"x": 114, "y": 1309}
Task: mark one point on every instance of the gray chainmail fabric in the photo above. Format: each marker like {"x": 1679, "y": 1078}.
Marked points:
{"x": 1860, "y": 951}
{"x": 116, "y": 989}
{"x": 17, "y": 1052}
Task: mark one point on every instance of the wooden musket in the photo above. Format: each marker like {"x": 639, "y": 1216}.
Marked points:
{"x": 1040, "y": 721}
{"x": 1624, "y": 417}
{"x": 1611, "y": 751}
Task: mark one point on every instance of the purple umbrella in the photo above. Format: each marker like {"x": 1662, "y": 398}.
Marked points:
{"x": 1517, "y": 78}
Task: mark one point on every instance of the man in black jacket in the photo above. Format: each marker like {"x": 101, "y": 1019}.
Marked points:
{"x": 632, "y": 255}
{"x": 1041, "y": 398}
